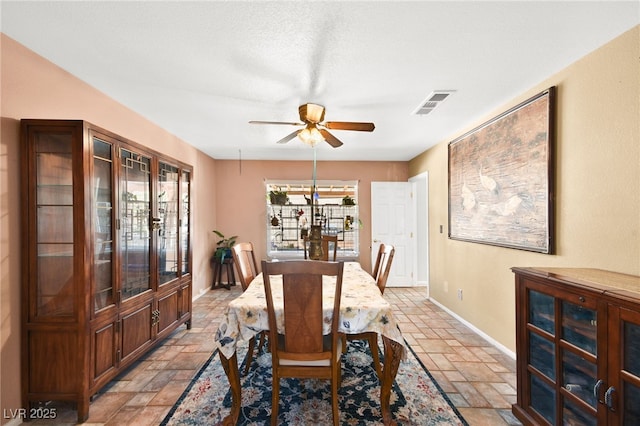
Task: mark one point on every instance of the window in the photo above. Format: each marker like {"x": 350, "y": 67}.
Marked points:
{"x": 290, "y": 213}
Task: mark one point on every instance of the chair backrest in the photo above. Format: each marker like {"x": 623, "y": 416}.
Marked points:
{"x": 245, "y": 261}
{"x": 326, "y": 239}
{"x": 385, "y": 257}
{"x": 303, "y": 315}
{"x": 376, "y": 268}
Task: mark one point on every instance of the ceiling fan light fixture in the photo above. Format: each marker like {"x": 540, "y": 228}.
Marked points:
{"x": 311, "y": 113}
{"x": 310, "y": 135}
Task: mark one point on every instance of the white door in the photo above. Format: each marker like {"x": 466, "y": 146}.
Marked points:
{"x": 393, "y": 222}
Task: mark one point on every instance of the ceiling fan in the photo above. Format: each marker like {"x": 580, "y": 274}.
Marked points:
{"x": 315, "y": 130}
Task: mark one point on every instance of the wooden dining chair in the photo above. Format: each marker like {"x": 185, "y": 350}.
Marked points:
{"x": 383, "y": 265}
{"x": 245, "y": 260}
{"x": 376, "y": 268}
{"x": 381, "y": 273}
{"x": 326, "y": 241}
{"x": 299, "y": 348}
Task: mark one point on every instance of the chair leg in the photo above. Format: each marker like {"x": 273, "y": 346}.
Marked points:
{"x": 252, "y": 345}
{"x": 263, "y": 340}
{"x": 275, "y": 400}
{"x": 334, "y": 399}
{"x": 373, "y": 346}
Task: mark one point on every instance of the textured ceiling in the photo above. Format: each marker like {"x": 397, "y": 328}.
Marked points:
{"x": 202, "y": 70}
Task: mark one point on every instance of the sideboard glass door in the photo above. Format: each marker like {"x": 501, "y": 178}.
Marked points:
{"x": 626, "y": 386}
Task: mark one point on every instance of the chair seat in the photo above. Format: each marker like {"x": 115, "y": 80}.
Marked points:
{"x": 311, "y": 363}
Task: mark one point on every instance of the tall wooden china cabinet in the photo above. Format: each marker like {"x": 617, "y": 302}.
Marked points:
{"x": 578, "y": 347}
{"x": 106, "y": 257}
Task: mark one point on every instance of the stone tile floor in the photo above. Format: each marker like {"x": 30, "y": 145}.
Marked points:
{"x": 479, "y": 379}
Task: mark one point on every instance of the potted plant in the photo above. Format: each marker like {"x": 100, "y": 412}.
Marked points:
{"x": 278, "y": 197}
{"x": 348, "y": 201}
{"x": 223, "y": 250}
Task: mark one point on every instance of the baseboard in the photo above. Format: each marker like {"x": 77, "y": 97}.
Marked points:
{"x": 485, "y": 336}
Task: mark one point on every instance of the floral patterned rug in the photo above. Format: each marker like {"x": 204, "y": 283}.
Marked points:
{"x": 416, "y": 398}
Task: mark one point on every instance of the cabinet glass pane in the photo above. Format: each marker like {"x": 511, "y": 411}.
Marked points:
{"x": 541, "y": 311}
{"x": 631, "y": 414}
{"x": 631, "y": 347}
{"x": 542, "y": 355}
{"x": 579, "y": 326}
{"x": 135, "y": 234}
{"x": 54, "y": 179}
{"x": 185, "y": 219}
{"x": 543, "y": 399}
{"x": 55, "y": 224}
{"x": 103, "y": 231}
{"x": 579, "y": 376}
{"x": 167, "y": 223}
{"x": 574, "y": 415}
{"x": 56, "y": 292}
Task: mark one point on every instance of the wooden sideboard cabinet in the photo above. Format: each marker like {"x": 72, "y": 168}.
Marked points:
{"x": 106, "y": 257}
{"x": 578, "y": 347}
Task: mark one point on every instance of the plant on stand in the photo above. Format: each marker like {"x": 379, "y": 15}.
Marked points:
{"x": 223, "y": 250}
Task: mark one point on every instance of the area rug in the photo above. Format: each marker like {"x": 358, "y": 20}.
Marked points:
{"x": 416, "y": 398}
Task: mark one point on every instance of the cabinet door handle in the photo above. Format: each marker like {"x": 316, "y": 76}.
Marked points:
{"x": 608, "y": 398}
{"x": 596, "y": 390}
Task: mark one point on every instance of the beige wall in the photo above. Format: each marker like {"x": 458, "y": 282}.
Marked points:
{"x": 34, "y": 88}
{"x": 241, "y": 196}
{"x": 598, "y": 191}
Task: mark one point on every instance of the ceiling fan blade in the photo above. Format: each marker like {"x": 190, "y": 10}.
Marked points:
{"x": 289, "y": 137}
{"x": 331, "y": 140}
{"x": 290, "y": 123}
{"x": 348, "y": 125}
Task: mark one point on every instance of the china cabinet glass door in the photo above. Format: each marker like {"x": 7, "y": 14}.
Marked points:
{"x": 167, "y": 222}
{"x": 185, "y": 194}
{"x": 103, "y": 231}
{"x": 135, "y": 223}
{"x": 55, "y": 292}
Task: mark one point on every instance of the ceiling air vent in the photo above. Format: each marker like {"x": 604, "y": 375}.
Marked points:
{"x": 433, "y": 100}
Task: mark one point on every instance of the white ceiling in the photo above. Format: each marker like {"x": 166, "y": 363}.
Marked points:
{"x": 202, "y": 70}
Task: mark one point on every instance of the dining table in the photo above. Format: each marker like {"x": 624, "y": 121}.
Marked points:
{"x": 362, "y": 309}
